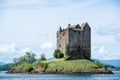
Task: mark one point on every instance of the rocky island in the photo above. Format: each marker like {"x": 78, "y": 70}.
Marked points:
{"x": 60, "y": 66}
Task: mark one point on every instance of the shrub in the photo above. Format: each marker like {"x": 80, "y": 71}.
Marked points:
{"x": 28, "y": 67}
{"x": 66, "y": 49}
{"x": 42, "y": 57}
{"x": 58, "y": 54}
{"x": 23, "y": 67}
{"x": 43, "y": 65}
{"x": 100, "y": 65}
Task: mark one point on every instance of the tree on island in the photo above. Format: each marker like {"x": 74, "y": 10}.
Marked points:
{"x": 58, "y": 54}
{"x": 28, "y": 58}
{"x": 42, "y": 57}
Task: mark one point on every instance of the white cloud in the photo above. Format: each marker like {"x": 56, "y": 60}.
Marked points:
{"x": 8, "y": 48}
{"x": 103, "y": 54}
{"x": 8, "y": 52}
{"x": 96, "y": 38}
{"x": 112, "y": 30}
{"x": 46, "y": 45}
{"x": 102, "y": 50}
{"x": 118, "y": 21}
{"x": 45, "y": 3}
{"x": 26, "y": 50}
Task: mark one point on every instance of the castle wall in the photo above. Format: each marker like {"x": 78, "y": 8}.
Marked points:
{"x": 86, "y": 41}
{"x": 74, "y": 39}
{"x": 62, "y": 40}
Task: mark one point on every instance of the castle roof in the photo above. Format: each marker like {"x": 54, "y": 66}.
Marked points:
{"x": 84, "y": 24}
{"x": 75, "y": 27}
{"x": 60, "y": 29}
{"x": 71, "y": 26}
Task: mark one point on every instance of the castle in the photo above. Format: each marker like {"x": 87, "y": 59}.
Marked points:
{"x": 78, "y": 40}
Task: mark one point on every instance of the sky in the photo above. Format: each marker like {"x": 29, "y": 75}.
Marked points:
{"x": 31, "y": 25}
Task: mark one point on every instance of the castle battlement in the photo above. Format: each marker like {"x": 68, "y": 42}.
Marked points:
{"x": 76, "y": 37}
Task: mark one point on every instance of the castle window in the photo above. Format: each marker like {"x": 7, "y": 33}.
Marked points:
{"x": 60, "y": 37}
{"x": 60, "y": 45}
{"x": 79, "y": 32}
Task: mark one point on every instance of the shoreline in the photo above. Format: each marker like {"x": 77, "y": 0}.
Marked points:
{"x": 60, "y": 72}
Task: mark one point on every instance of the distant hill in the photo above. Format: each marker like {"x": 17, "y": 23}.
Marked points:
{"x": 51, "y": 58}
{"x": 1, "y": 63}
{"x": 5, "y": 67}
{"x": 115, "y": 63}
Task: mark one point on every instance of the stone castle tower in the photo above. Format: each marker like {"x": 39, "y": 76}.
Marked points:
{"x": 78, "y": 39}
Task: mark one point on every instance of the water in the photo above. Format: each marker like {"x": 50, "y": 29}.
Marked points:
{"x": 115, "y": 76}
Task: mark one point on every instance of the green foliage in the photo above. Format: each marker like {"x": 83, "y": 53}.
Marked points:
{"x": 43, "y": 65}
{"x": 72, "y": 65}
{"x": 58, "y": 54}
{"x": 28, "y": 58}
{"x": 42, "y": 57}
{"x": 19, "y": 67}
{"x": 16, "y": 61}
{"x": 22, "y": 60}
{"x": 55, "y": 53}
{"x": 100, "y": 64}
{"x": 28, "y": 67}
{"x": 6, "y": 67}
{"x": 66, "y": 49}
{"x": 23, "y": 67}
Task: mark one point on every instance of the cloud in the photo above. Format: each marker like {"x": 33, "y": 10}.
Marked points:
{"x": 96, "y": 38}
{"x": 103, "y": 54}
{"x": 110, "y": 30}
{"x": 26, "y": 50}
{"x": 8, "y": 48}
{"x": 119, "y": 22}
{"x": 43, "y": 3}
{"x": 10, "y": 51}
{"x": 30, "y": 3}
{"x": 46, "y": 45}
{"x": 102, "y": 50}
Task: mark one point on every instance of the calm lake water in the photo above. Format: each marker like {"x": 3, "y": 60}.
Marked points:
{"x": 115, "y": 76}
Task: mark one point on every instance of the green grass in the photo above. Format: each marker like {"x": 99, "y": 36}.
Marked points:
{"x": 23, "y": 67}
{"x": 40, "y": 64}
{"x": 63, "y": 65}
{"x": 72, "y": 65}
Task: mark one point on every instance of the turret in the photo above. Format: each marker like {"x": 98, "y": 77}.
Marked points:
{"x": 60, "y": 29}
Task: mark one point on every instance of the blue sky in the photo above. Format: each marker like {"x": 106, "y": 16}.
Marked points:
{"x": 31, "y": 25}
